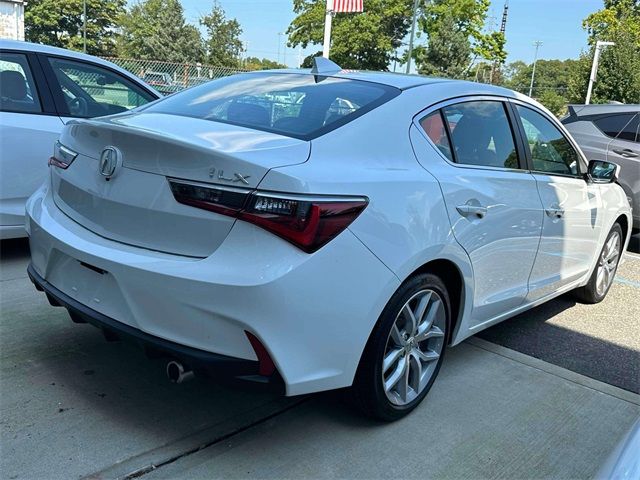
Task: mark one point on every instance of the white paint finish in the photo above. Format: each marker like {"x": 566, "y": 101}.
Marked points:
{"x": 26, "y": 143}
{"x": 212, "y": 302}
{"x": 569, "y": 243}
{"x": 315, "y": 312}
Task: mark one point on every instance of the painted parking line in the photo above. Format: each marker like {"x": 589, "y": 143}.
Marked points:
{"x": 626, "y": 281}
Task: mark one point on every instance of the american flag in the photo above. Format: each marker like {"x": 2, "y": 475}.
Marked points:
{"x": 347, "y": 6}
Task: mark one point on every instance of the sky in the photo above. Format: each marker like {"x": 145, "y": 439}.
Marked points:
{"x": 557, "y": 23}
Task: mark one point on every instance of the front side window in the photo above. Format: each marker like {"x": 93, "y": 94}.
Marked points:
{"x": 295, "y": 105}
{"x": 550, "y": 151}
{"x": 93, "y": 91}
{"x": 622, "y": 126}
{"x": 481, "y": 134}
{"x": 17, "y": 88}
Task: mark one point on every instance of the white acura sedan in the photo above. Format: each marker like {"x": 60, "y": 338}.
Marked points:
{"x": 322, "y": 229}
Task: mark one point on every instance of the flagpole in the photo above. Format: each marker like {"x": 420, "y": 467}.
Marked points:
{"x": 327, "y": 29}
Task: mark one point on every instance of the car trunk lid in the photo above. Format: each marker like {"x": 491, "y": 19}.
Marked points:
{"x": 136, "y": 205}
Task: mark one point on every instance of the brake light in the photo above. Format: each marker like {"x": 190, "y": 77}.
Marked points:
{"x": 62, "y": 156}
{"x": 307, "y": 222}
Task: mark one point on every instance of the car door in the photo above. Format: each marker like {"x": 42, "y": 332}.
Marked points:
{"x": 82, "y": 89}
{"x": 29, "y": 125}
{"x": 492, "y": 201}
{"x": 571, "y": 225}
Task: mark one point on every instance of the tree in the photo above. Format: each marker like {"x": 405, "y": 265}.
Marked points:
{"x": 618, "y": 76}
{"x": 453, "y": 29}
{"x": 448, "y": 53}
{"x": 223, "y": 45}
{"x": 254, "y": 63}
{"x": 365, "y": 40}
{"x": 551, "y": 79}
{"x": 60, "y": 23}
{"x": 157, "y": 30}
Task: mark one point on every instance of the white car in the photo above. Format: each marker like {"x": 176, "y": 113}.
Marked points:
{"x": 318, "y": 251}
{"x": 41, "y": 89}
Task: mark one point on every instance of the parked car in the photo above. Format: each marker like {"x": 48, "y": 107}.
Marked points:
{"x": 320, "y": 251}
{"x": 611, "y": 132}
{"x": 162, "y": 81}
{"x": 41, "y": 89}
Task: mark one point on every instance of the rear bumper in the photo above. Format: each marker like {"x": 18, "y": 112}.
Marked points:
{"x": 313, "y": 313}
{"x": 211, "y": 363}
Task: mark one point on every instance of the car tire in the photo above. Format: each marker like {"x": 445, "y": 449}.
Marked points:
{"x": 418, "y": 340}
{"x": 605, "y": 270}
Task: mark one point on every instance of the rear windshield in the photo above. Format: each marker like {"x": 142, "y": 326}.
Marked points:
{"x": 296, "y": 105}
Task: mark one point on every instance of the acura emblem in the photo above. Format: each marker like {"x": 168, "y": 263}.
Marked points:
{"x": 109, "y": 162}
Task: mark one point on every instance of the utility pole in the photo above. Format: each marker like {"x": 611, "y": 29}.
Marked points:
{"x": 412, "y": 35}
{"x": 537, "y": 44}
{"x": 594, "y": 67}
{"x": 279, "y": 41}
{"x": 84, "y": 25}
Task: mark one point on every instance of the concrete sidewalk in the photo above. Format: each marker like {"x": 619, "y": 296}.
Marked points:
{"x": 491, "y": 414}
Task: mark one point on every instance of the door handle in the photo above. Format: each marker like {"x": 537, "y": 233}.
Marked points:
{"x": 554, "y": 212}
{"x": 626, "y": 152}
{"x": 467, "y": 210}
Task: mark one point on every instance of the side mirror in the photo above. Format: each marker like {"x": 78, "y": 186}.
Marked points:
{"x": 600, "y": 171}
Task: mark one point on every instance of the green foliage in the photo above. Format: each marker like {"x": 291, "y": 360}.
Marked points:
{"x": 156, "y": 29}
{"x": 365, "y": 40}
{"x": 556, "y": 103}
{"x": 618, "y": 77}
{"x": 254, "y": 63}
{"x": 59, "y": 23}
{"x": 448, "y": 53}
{"x": 454, "y": 35}
{"x": 223, "y": 45}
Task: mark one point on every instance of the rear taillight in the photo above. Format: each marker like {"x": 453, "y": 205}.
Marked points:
{"x": 308, "y": 222}
{"x": 62, "y": 156}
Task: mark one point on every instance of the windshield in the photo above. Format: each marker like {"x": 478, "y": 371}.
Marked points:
{"x": 295, "y": 105}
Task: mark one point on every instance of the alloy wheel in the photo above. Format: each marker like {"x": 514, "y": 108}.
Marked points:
{"x": 414, "y": 345}
{"x": 607, "y": 263}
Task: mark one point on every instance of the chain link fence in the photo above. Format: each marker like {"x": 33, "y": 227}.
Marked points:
{"x": 169, "y": 77}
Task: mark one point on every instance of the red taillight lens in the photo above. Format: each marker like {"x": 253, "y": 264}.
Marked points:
{"x": 226, "y": 201}
{"x": 307, "y": 222}
{"x": 62, "y": 156}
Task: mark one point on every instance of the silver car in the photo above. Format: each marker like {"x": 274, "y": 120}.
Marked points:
{"x": 612, "y": 133}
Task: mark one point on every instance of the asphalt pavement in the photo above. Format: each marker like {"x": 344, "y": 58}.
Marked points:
{"x": 75, "y": 406}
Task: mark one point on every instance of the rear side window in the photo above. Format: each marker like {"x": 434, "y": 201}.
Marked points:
{"x": 17, "y": 88}
{"x": 481, "y": 134}
{"x": 296, "y": 105}
{"x": 433, "y": 126}
{"x": 623, "y": 126}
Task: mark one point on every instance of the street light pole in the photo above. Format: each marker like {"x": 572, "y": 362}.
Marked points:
{"x": 412, "y": 35}
{"x": 594, "y": 68}
{"x": 84, "y": 25}
{"x": 537, "y": 44}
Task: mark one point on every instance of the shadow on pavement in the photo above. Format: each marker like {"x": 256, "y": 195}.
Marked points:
{"x": 531, "y": 334}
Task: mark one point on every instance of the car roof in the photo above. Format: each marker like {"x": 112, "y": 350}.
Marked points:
{"x": 400, "y": 80}
{"x": 599, "y": 109}
{"x": 21, "y": 46}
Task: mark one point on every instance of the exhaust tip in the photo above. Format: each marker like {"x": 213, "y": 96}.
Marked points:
{"x": 177, "y": 373}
